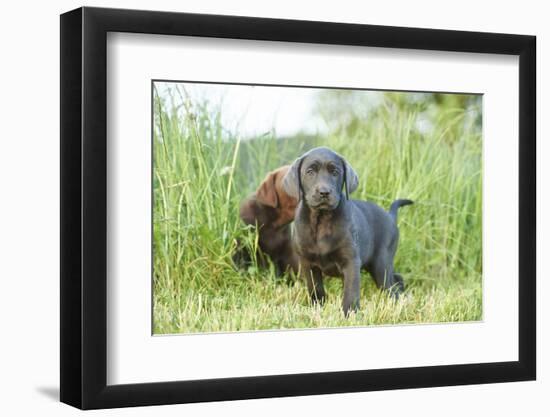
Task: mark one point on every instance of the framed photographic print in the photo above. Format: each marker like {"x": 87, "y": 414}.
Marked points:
{"x": 258, "y": 207}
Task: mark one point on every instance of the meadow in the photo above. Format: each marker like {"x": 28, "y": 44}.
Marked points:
{"x": 426, "y": 147}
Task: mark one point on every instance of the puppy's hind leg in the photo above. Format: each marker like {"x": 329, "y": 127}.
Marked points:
{"x": 399, "y": 282}
{"x": 382, "y": 272}
{"x": 352, "y": 287}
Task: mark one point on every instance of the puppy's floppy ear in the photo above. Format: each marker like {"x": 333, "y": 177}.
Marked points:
{"x": 351, "y": 181}
{"x": 266, "y": 193}
{"x": 292, "y": 183}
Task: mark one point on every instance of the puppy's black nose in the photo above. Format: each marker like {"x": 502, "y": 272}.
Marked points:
{"x": 324, "y": 192}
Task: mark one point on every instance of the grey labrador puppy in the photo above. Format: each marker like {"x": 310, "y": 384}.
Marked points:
{"x": 336, "y": 236}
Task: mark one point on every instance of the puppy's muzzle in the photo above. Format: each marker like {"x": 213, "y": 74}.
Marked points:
{"x": 324, "y": 198}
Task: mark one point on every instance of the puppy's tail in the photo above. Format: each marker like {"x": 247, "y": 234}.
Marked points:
{"x": 395, "y": 206}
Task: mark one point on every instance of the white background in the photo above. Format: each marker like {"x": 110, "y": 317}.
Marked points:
{"x": 30, "y": 203}
{"x": 133, "y": 60}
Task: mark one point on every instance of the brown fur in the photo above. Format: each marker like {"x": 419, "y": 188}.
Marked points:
{"x": 272, "y": 210}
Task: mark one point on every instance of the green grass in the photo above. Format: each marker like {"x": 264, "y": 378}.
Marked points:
{"x": 202, "y": 172}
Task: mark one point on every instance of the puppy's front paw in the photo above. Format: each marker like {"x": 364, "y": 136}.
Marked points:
{"x": 350, "y": 307}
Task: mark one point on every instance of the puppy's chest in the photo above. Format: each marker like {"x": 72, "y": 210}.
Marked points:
{"x": 325, "y": 254}
{"x": 319, "y": 241}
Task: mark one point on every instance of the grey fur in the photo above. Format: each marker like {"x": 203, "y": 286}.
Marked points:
{"x": 335, "y": 236}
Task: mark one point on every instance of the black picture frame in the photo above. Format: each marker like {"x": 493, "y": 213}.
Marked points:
{"x": 84, "y": 207}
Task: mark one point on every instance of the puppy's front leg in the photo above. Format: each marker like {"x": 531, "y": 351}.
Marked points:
{"x": 352, "y": 286}
{"x": 314, "y": 281}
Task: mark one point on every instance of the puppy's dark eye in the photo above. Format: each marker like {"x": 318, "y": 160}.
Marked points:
{"x": 310, "y": 171}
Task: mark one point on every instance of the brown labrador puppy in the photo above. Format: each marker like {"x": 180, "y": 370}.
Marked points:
{"x": 270, "y": 209}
